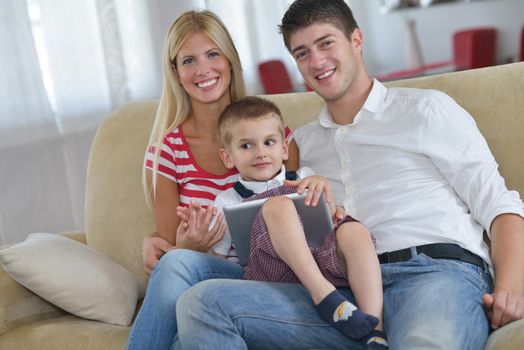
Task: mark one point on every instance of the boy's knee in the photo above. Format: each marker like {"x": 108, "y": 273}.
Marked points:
{"x": 277, "y": 206}
{"x": 352, "y": 230}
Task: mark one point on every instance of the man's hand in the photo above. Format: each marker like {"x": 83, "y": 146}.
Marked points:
{"x": 153, "y": 247}
{"x": 506, "y": 304}
{"x": 503, "y": 308}
{"x": 193, "y": 232}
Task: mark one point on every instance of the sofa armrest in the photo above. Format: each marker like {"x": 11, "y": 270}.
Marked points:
{"x": 78, "y": 236}
{"x": 19, "y": 306}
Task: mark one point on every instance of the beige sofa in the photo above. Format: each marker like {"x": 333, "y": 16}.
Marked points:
{"x": 117, "y": 218}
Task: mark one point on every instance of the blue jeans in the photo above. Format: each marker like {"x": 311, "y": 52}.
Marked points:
{"x": 428, "y": 304}
{"x": 155, "y": 326}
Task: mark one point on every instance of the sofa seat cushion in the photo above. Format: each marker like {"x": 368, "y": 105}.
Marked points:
{"x": 66, "y": 332}
{"x": 510, "y": 337}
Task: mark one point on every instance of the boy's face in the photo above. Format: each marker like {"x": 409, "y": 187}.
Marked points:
{"x": 256, "y": 150}
{"x": 329, "y": 62}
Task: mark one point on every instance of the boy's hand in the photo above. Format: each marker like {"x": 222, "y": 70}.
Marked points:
{"x": 315, "y": 186}
{"x": 193, "y": 232}
{"x": 340, "y": 213}
{"x": 182, "y": 213}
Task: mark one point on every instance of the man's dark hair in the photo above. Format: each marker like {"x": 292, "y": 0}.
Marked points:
{"x": 303, "y": 13}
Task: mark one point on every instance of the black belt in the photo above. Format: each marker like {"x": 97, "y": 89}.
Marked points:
{"x": 434, "y": 250}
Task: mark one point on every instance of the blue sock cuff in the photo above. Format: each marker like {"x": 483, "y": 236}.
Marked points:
{"x": 330, "y": 303}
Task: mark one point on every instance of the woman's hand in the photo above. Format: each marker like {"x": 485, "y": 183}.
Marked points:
{"x": 193, "y": 232}
{"x": 153, "y": 247}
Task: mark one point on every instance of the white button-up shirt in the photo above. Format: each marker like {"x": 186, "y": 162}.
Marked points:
{"x": 412, "y": 167}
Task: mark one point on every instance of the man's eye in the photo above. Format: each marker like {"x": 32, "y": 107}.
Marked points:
{"x": 246, "y": 146}
{"x": 269, "y": 142}
{"x": 326, "y": 44}
{"x": 300, "y": 55}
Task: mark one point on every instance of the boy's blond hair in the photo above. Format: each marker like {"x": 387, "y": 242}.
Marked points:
{"x": 247, "y": 108}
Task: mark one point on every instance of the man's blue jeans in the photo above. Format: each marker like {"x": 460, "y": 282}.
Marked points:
{"x": 155, "y": 326}
{"x": 428, "y": 304}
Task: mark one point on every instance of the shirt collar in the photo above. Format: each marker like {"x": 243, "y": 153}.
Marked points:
{"x": 262, "y": 186}
{"x": 375, "y": 101}
{"x": 374, "y": 104}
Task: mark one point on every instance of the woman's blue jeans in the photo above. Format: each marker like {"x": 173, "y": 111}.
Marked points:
{"x": 155, "y": 326}
{"x": 428, "y": 304}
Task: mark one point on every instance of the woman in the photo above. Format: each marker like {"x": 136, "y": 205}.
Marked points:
{"x": 202, "y": 75}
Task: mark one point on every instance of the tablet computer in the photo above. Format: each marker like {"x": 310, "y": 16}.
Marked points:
{"x": 240, "y": 216}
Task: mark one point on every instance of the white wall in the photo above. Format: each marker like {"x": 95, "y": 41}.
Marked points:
{"x": 385, "y": 35}
{"x": 166, "y": 11}
{"x": 43, "y": 185}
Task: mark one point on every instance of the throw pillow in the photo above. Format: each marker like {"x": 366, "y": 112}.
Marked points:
{"x": 74, "y": 277}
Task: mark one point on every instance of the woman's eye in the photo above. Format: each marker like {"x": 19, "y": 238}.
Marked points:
{"x": 214, "y": 54}
{"x": 187, "y": 61}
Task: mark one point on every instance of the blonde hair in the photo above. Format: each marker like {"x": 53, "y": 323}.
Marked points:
{"x": 247, "y": 108}
{"x": 175, "y": 105}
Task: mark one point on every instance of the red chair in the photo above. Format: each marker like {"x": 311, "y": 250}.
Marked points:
{"x": 474, "y": 48}
{"x": 274, "y": 76}
{"x": 522, "y": 45}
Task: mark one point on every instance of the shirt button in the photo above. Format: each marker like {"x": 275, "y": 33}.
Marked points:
{"x": 344, "y": 163}
{"x": 348, "y": 189}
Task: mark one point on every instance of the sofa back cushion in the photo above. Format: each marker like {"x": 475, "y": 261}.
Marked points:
{"x": 117, "y": 218}
{"x": 116, "y": 214}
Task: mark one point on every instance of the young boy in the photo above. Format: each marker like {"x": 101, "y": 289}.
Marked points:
{"x": 252, "y": 135}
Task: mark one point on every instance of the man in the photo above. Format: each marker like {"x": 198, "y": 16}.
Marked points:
{"x": 412, "y": 166}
